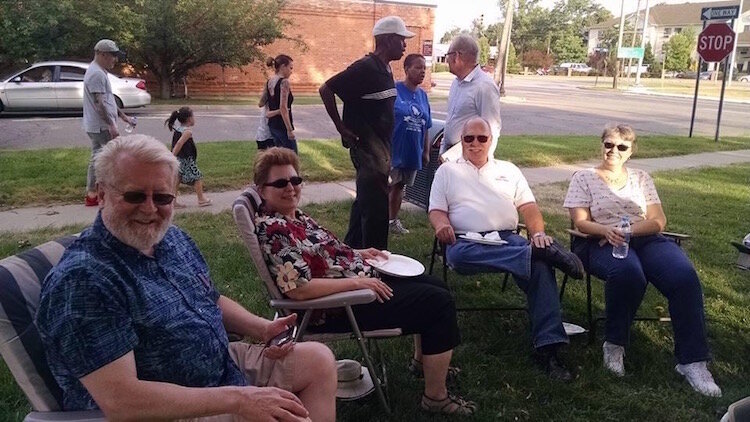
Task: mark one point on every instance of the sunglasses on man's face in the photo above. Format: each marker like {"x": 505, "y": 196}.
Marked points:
{"x": 481, "y": 138}
{"x": 620, "y": 147}
{"x": 281, "y": 183}
{"x": 135, "y": 198}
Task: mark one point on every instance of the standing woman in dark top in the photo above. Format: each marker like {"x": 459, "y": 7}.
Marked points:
{"x": 183, "y": 147}
{"x": 280, "y": 98}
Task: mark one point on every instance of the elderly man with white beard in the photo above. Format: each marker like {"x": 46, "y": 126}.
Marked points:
{"x": 133, "y": 325}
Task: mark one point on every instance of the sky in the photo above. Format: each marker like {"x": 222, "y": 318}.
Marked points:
{"x": 461, "y": 13}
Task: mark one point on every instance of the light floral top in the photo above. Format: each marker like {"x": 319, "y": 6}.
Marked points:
{"x": 588, "y": 190}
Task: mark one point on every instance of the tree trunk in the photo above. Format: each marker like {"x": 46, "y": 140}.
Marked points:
{"x": 165, "y": 85}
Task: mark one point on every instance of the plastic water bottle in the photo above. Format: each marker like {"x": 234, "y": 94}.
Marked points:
{"x": 620, "y": 252}
{"x": 130, "y": 127}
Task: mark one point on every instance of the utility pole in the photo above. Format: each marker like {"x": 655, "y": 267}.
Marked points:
{"x": 635, "y": 34}
{"x": 737, "y": 28}
{"x": 619, "y": 44}
{"x": 643, "y": 46}
{"x": 504, "y": 46}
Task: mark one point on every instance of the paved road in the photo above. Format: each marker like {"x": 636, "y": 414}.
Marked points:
{"x": 534, "y": 106}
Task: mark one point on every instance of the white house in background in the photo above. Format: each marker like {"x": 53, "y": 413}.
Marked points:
{"x": 666, "y": 20}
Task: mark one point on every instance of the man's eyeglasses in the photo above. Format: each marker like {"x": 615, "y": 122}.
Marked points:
{"x": 481, "y": 138}
{"x": 451, "y": 52}
{"x": 135, "y": 198}
{"x": 620, "y": 147}
{"x": 281, "y": 183}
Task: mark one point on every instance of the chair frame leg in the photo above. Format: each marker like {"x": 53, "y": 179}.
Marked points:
{"x": 368, "y": 361}
{"x": 589, "y": 313}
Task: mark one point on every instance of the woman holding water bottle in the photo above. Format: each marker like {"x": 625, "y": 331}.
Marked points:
{"x": 620, "y": 208}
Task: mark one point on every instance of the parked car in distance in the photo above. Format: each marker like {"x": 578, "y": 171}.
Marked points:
{"x": 744, "y": 79}
{"x": 634, "y": 69}
{"x": 58, "y": 85}
{"x": 580, "y": 68}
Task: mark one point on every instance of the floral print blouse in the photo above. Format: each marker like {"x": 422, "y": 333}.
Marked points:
{"x": 298, "y": 250}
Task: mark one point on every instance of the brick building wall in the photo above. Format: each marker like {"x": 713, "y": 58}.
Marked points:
{"x": 336, "y": 33}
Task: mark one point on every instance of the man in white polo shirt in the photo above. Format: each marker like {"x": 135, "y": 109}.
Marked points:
{"x": 481, "y": 195}
{"x": 473, "y": 93}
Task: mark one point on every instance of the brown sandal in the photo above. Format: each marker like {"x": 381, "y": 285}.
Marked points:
{"x": 451, "y": 405}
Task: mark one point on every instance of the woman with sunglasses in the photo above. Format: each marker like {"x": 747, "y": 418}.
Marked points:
{"x": 598, "y": 198}
{"x": 307, "y": 261}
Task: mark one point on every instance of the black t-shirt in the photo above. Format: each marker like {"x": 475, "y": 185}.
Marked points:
{"x": 274, "y": 103}
{"x": 188, "y": 149}
{"x": 367, "y": 89}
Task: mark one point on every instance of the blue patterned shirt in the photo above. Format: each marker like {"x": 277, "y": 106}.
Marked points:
{"x": 105, "y": 299}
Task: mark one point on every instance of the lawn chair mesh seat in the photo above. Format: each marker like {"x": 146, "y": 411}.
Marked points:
{"x": 244, "y": 209}
{"x": 419, "y": 195}
{"x": 20, "y": 346}
{"x": 577, "y": 236}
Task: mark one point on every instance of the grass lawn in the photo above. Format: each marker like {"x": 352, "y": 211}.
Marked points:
{"x": 498, "y": 373}
{"x": 59, "y": 175}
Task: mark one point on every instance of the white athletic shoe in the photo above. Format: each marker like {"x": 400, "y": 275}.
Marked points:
{"x": 613, "y": 356}
{"x": 699, "y": 377}
{"x": 396, "y": 227}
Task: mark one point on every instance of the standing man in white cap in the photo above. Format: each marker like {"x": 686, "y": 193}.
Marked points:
{"x": 100, "y": 110}
{"x": 368, "y": 91}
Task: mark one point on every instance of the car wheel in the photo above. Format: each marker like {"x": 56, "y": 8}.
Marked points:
{"x": 118, "y": 101}
{"x": 2, "y": 107}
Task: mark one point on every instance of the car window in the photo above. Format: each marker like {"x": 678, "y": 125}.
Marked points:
{"x": 71, "y": 74}
{"x": 38, "y": 74}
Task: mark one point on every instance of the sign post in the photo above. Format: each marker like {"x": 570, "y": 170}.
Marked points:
{"x": 715, "y": 43}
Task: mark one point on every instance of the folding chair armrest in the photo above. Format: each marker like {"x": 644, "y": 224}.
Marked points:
{"x": 676, "y": 236}
{"x": 336, "y": 300}
{"x": 59, "y": 416}
{"x": 521, "y": 227}
{"x": 576, "y": 233}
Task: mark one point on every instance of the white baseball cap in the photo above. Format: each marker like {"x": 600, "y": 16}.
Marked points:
{"x": 391, "y": 25}
{"x": 106, "y": 46}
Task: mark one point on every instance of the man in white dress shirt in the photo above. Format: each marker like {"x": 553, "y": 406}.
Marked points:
{"x": 473, "y": 93}
{"x": 481, "y": 195}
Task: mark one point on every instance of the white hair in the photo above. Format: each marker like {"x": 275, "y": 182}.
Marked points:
{"x": 467, "y": 45}
{"x": 144, "y": 148}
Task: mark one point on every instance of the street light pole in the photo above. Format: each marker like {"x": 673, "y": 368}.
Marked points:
{"x": 504, "y": 46}
{"x": 737, "y": 28}
{"x": 619, "y": 44}
{"x": 643, "y": 46}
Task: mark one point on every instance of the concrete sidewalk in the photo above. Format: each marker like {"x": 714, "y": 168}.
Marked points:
{"x": 24, "y": 219}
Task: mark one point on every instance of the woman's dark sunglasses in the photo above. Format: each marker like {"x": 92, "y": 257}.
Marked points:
{"x": 481, "y": 138}
{"x": 281, "y": 183}
{"x": 621, "y": 147}
{"x": 135, "y": 197}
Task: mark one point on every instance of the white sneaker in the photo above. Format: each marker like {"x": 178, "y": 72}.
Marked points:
{"x": 700, "y": 378}
{"x": 613, "y": 355}
{"x": 396, "y": 227}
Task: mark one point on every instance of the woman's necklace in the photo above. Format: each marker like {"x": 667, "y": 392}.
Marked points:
{"x": 614, "y": 180}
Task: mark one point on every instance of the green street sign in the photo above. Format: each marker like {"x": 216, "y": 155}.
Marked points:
{"x": 630, "y": 53}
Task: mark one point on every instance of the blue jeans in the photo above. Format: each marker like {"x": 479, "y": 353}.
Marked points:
{"x": 658, "y": 260}
{"x": 536, "y": 278}
{"x": 281, "y": 139}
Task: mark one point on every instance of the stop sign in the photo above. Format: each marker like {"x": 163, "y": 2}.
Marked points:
{"x": 715, "y": 42}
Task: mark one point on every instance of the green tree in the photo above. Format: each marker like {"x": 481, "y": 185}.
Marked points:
{"x": 34, "y": 30}
{"x": 679, "y": 50}
{"x": 449, "y": 35}
{"x": 569, "y": 48}
{"x": 177, "y": 36}
{"x": 648, "y": 55}
{"x": 484, "y": 50}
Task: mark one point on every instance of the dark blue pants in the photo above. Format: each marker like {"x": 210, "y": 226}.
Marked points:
{"x": 658, "y": 260}
{"x": 536, "y": 278}
{"x": 281, "y": 139}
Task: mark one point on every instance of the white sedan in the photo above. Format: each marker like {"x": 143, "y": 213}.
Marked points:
{"x": 59, "y": 86}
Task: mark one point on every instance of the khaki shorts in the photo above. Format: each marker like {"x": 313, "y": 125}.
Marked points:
{"x": 259, "y": 371}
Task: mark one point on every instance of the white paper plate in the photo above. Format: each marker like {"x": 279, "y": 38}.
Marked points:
{"x": 398, "y": 266}
{"x": 573, "y": 329}
{"x": 483, "y": 240}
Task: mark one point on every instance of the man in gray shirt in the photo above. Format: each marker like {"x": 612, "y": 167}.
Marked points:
{"x": 473, "y": 93}
{"x": 100, "y": 110}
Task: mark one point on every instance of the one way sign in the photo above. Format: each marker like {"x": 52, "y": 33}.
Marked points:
{"x": 727, "y": 12}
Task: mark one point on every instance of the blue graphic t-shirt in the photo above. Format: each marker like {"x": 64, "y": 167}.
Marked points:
{"x": 412, "y": 119}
